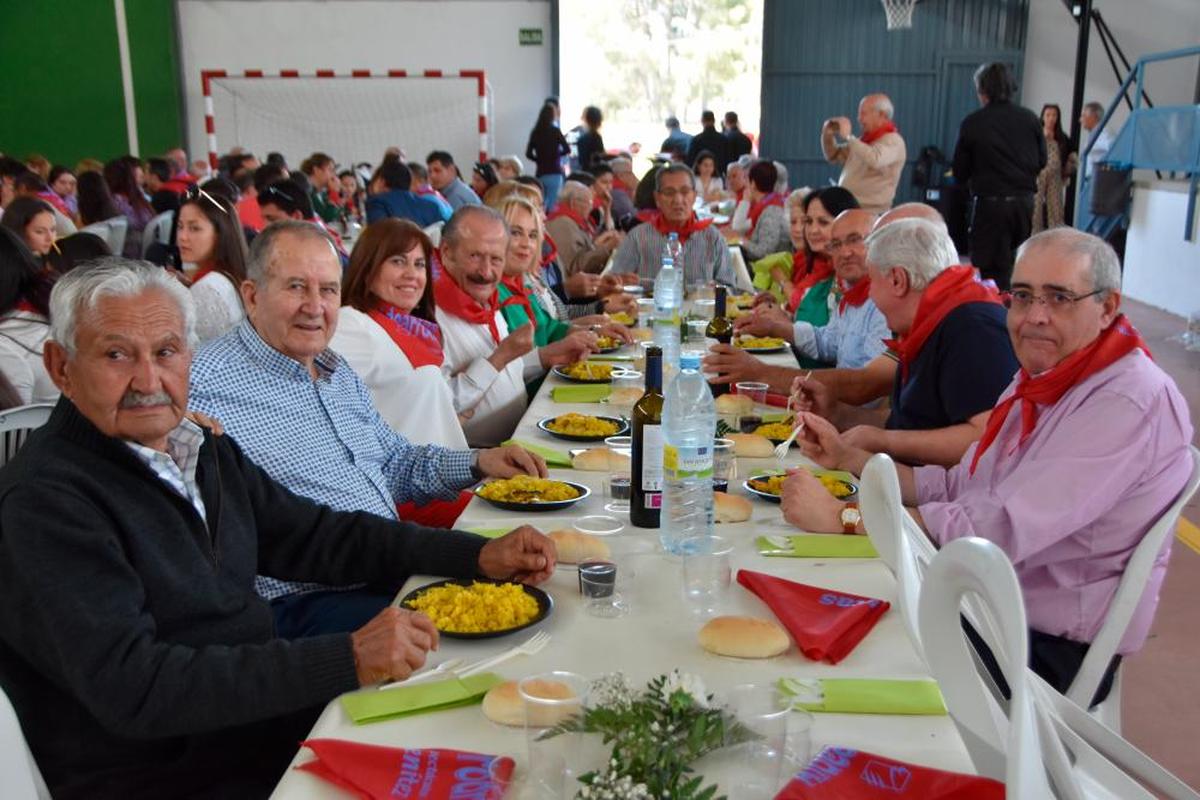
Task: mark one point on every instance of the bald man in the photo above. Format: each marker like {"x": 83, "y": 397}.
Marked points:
{"x": 871, "y": 162}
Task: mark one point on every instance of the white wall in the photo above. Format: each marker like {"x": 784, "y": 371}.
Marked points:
{"x": 377, "y": 35}
{"x": 1161, "y": 267}
{"x": 1140, "y": 27}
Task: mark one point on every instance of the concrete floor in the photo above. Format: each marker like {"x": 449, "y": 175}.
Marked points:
{"x": 1161, "y": 695}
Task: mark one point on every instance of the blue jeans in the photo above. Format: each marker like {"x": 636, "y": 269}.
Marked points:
{"x": 551, "y": 185}
{"x": 316, "y": 613}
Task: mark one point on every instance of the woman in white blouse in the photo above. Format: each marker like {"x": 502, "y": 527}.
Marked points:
{"x": 709, "y": 186}
{"x": 387, "y": 334}
{"x": 209, "y": 235}
{"x": 24, "y": 320}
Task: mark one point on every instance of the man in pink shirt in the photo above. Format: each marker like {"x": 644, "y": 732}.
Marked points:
{"x": 1084, "y": 451}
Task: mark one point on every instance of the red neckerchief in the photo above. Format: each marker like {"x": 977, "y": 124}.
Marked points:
{"x": 805, "y": 275}
{"x": 450, "y": 297}
{"x": 26, "y": 306}
{"x": 549, "y": 250}
{"x": 418, "y": 338}
{"x": 855, "y": 296}
{"x": 51, "y": 197}
{"x": 882, "y": 130}
{"x": 562, "y": 210}
{"x": 1117, "y": 341}
{"x": 685, "y": 230}
{"x": 203, "y": 270}
{"x": 756, "y": 209}
{"x": 954, "y": 287}
{"x": 520, "y": 296}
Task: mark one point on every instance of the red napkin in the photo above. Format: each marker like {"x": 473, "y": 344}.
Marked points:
{"x": 372, "y": 772}
{"x": 838, "y": 773}
{"x": 826, "y": 625}
{"x": 777, "y": 400}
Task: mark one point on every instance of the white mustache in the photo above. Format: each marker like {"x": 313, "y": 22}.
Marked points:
{"x": 138, "y": 400}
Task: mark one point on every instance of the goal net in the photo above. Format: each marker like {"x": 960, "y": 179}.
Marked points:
{"x": 352, "y": 117}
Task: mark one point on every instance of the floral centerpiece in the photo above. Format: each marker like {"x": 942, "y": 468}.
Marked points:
{"x": 656, "y": 735}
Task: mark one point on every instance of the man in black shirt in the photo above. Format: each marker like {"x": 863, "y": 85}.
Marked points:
{"x": 709, "y": 139}
{"x": 999, "y": 154}
{"x": 739, "y": 144}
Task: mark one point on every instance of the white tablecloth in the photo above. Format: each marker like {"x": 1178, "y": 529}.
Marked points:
{"x": 660, "y": 634}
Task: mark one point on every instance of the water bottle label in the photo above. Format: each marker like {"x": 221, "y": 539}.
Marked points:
{"x": 688, "y": 462}
{"x": 652, "y": 461}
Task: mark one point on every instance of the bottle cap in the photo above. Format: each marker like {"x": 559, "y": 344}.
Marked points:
{"x": 689, "y": 360}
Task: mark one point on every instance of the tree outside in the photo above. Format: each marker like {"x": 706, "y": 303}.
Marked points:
{"x": 641, "y": 61}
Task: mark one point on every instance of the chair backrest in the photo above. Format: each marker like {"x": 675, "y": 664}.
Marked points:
{"x": 22, "y": 778}
{"x": 157, "y": 231}
{"x": 118, "y": 227}
{"x": 434, "y": 232}
{"x": 15, "y": 425}
{"x": 1129, "y": 594}
{"x": 1004, "y": 749}
{"x": 883, "y": 516}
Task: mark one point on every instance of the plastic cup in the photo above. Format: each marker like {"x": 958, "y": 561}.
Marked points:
{"x": 619, "y": 485}
{"x": 696, "y": 330}
{"x": 754, "y": 390}
{"x": 645, "y": 312}
{"x": 598, "y": 582}
{"x": 724, "y": 464}
{"x": 757, "y": 765}
{"x": 548, "y": 699}
{"x": 707, "y": 574}
{"x": 625, "y": 384}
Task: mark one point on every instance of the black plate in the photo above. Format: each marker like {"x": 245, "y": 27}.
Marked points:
{"x": 559, "y": 372}
{"x": 544, "y": 601}
{"x": 623, "y": 428}
{"x": 552, "y": 505}
{"x": 606, "y": 350}
{"x": 763, "y": 350}
{"x": 774, "y": 498}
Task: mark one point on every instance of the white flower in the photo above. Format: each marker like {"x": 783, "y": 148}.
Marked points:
{"x": 611, "y": 691}
{"x": 687, "y": 683}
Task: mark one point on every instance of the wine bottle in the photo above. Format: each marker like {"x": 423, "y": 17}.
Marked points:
{"x": 720, "y": 327}
{"x": 645, "y": 500}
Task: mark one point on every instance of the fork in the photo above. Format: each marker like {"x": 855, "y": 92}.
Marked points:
{"x": 447, "y": 667}
{"x": 781, "y": 449}
{"x": 534, "y": 645}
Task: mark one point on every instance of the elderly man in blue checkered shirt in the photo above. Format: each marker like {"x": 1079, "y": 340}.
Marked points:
{"x": 302, "y": 414}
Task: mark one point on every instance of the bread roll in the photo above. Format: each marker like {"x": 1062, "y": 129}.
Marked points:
{"x": 744, "y": 637}
{"x": 734, "y": 404}
{"x": 574, "y": 546}
{"x": 730, "y": 508}
{"x": 751, "y": 445}
{"x": 625, "y": 395}
{"x": 600, "y": 459}
{"x": 503, "y": 704}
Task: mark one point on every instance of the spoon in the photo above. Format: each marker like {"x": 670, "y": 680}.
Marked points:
{"x": 443, "y": 668}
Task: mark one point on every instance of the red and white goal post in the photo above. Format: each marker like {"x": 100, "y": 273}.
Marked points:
{"x": 351, "y": 116}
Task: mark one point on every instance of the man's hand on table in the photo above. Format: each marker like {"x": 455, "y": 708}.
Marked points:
{"x": 510, "y": 460}
{"x": 392, "y": 645}
{"x": 575, "y": 346}
{"x": 727, "y": 364}
{"x": 523, "y": 555}
{"x": 765, "y": 320}
{"x": 808, "y": 505}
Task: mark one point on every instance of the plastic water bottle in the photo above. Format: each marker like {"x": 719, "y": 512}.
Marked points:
{"x": 667, "y": 297}
{"x": 689, "y": 422}
{"x": 666, "y": 336}
{"x": 674, "y": 249}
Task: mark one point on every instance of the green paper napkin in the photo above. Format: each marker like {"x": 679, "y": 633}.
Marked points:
{"x": 818, "y": 545}
{"x": 491, "y": 533}
{"x": 553, "y": 458}
{"x": 580, "y": 393}
{"x": 865, "y": 695}
{"x": 375, "y": 705}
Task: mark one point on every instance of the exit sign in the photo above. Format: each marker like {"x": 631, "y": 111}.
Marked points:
{"x": 529, "y": 36}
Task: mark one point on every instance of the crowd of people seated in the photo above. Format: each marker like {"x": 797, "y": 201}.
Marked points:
{"x": 263, "y": 417}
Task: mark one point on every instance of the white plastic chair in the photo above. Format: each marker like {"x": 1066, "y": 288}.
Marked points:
{"x": 22, "y": 778}
{"x": 883, "y": 517}
{"x": 1124, "y": 603}
{"x": 15, "y": 425}
{"x": 434, "y": 232}
{"x": 118, "y": 228}
{"x": 1046, "y": 746}
{"x": 157, "y": 231}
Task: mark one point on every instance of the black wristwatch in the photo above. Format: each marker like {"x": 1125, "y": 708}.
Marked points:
{"x": 476, "y": 472}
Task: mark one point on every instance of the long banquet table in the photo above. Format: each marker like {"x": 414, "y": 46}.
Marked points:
{"x": 660, "y": 633}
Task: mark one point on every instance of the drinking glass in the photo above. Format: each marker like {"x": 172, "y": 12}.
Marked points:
{"x": 696, "y": 330}
{"x": 627, "y": 388}
{"x": 707, "y": 573}
{"x": 749, "y": 422}
{"x": 705, "y": 308}
{"x": 755, "y": 767}
{"x": 620, "y": 475}
{"x": 645, "y": 312}
{"x": 723, "y": 464}
{"x": 601, "y": 582}
{"x": 548, "y": 699}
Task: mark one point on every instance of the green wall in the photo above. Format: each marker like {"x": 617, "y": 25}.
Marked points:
{"x": 62, "y": 93}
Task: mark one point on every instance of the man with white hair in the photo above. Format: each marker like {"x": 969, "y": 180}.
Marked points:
{"x": 624, "y": 186}
{"x": 580, "y": 248}
{"x": 871, "y": 163}
{"x": 133, "y": 646}
{"x": 1084, "y": 451}
{"x": 953, "y": 352}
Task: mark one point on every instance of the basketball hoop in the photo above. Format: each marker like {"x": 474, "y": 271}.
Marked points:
{"x": 899, "y": 13}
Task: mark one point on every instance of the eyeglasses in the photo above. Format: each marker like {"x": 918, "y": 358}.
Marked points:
{"x": 853, "y": 240}
{"x": 671, "y": 194}
{"x": 195, "y": 191}
{"x": 1023, "y": 299}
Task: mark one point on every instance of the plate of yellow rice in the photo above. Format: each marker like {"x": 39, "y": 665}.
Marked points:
{"x": 769, "y": 485}
{"x": 479, "y": 608}
{"x": 526, "y": 493}
{"x": 575, "y": 427}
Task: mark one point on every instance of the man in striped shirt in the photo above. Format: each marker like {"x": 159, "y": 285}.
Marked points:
{"x": 705, "y": 255}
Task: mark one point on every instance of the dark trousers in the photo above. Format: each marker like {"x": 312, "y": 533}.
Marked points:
{"x": 316, "y": 613}
{"x": 1055, "y": 659}
{"x": 998, "y": 227}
